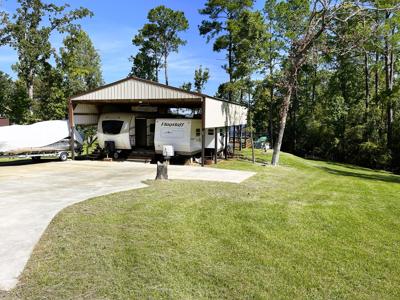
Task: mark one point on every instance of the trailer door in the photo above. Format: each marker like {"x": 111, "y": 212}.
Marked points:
{"x": 141, "y": 132}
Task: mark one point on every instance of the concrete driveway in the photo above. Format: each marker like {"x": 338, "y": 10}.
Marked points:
{"x": 31, "y": 195}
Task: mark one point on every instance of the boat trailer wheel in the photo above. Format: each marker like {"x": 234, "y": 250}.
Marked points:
{"x": 63, "y": 156}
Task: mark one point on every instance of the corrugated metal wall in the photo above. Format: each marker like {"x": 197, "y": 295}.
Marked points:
{"x": 221, "y": 114}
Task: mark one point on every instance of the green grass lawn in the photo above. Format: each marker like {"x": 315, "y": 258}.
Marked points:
{"x": 305, "y": 229}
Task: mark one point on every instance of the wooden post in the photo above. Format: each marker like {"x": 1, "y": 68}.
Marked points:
{"x": 215, "y": 145}
{"x": 162, "y": 170}
{"x": 71, "y": 129}
{"x": 226, "y": 143}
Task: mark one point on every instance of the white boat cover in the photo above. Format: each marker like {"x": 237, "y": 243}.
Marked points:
{"x": 17, "y": 138}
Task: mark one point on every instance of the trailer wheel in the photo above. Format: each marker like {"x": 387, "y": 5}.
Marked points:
{"x": 116, "y": 155}
{"x": 63, "y": 156}
{"x": 36, "y": 158}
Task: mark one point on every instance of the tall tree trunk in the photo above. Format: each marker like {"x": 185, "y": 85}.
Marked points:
{"x": 390, "y": 102}
{"x": 314, "y": 87}
{"x": 377, "y": 61}
{"x": 389, "y": 76}
{"x": 30, "y": 87}
{"x": 271, "y": 123}
{"x": 296, "y": 60}
{"x": 166, "y": 69}
{"x": 30, "y": 91}
{"x": 282, "y": 124}
{"x": 271, "y": 105}
{"x": 295, "y": 106}
{"x": 157, "y": 70}
{"x": 376, "y": 74}
{"x": 366, "y": 73}
{"x": 253, "y": 159}
{"x": 283, "y": 118}
{"x": 314, "y": 80}
{"x": 230, "y": 61}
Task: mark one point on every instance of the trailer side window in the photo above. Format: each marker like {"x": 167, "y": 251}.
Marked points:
{"x": 197, "y": 131}
{"x": 112, "y": 127}
{"x": 210, "y": 131}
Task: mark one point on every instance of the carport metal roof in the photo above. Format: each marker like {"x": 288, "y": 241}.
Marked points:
{"x": 134, "y": 90}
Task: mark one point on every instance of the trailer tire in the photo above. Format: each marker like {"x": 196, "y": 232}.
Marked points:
{"x": 36, "y": 158}
{"x": 63, "y": 156}
{"x": 116, "y": 155}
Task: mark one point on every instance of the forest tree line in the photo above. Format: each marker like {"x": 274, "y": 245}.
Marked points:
{"x": 320, "y": 76}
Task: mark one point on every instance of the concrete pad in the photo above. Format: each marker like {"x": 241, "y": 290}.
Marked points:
{"x": 31, "y": 195}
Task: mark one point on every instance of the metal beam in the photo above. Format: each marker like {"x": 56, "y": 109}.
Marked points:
{"x": 71, "y": 129}
{"x": 190, "y": 103}
{"x": 226, "y": 143}
{"x": 240, "y": 138}
{"x": 203, "y": 133}
{"x": 215, "y": 145}
{"x": 234, "y": 140}
{"x": 203, "y": 146}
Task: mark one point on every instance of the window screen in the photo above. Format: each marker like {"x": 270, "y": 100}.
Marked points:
{"x": 112, "y": 127}
{"x": 197, "y": 131}
{"x": 210, "y": 131}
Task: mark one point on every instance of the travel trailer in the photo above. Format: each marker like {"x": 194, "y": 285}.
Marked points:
{"x": 184, "y": 135}
{"x": 128, "y": 131}
{"x": 125, "y": 130}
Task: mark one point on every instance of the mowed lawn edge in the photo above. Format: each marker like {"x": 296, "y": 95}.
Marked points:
{"x": 305, "y": 229}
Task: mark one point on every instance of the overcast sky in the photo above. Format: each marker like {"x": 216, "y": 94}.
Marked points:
{"x": 114, "y": 24}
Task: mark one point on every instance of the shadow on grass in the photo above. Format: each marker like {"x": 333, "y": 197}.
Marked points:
{"x": 353, "y": 167}
{"x": 23, "y": 162}
{"x": 376, "y": 177}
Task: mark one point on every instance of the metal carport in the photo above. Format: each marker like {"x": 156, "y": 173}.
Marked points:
{"x": 84, "y": 109}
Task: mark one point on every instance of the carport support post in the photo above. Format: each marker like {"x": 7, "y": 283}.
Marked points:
{"x": 215, "y": 145}
{"x": 203, "y": 131}
{"x": 245, "y": 137}
{"x": 226, "y": 143}
{"x": 240, "y": 137}
{"x": 71, "y": 129}
{"x": 203, "y": 146}
{"x": 234, "y": 140}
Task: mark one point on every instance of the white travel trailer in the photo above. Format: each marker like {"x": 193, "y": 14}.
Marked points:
{"x": 128, "y": 131}
{"x": 184, "y": 135}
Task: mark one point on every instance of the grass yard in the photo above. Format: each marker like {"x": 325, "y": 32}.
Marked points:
{"x": 306, "y": 230}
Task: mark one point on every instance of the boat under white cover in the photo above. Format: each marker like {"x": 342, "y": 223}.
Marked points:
{"x": 27, "y": 138}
